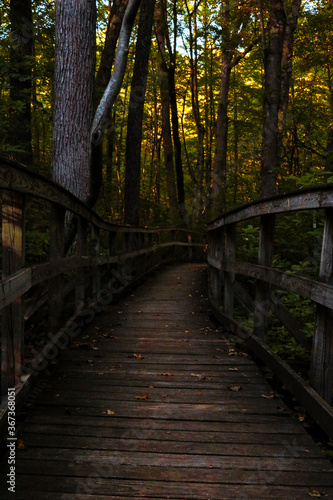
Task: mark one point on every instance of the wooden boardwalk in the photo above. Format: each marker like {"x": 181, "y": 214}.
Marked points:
{"x": 152, "y": 402}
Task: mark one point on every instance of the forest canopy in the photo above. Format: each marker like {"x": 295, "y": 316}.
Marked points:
{"x": 221, "y": 102}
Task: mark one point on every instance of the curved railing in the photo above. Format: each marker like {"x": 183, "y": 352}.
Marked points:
{"x": 225, "y": 289}
{"x": 71, "y": 287}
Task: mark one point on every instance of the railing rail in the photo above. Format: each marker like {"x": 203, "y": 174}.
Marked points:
{"x": 225, "y": 290}
{"x": 104, "y": 259}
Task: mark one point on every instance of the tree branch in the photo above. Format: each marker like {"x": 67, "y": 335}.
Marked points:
{"x": 101, "y": 116}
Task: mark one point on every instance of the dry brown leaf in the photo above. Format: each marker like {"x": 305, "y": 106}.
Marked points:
{"x": 110, "y": 412}
{"x": 200, "y": 377}
{"x": 233, "y": 369}
{"x": 268, "y": 396}
{"x": 235, "y": 388}
{"x": 144, "y": 397}
{"x": 20, "y": 444}
{"x": 167, "y": 374}
{"x": 316, "y": 494}
{"x": 138, "y": 356}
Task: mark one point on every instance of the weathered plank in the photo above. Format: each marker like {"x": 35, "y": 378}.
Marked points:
{"x": 205, "y": 424}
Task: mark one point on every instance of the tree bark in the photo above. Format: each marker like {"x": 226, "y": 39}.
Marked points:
{"x": 135, "y": 115}
{"x": 21, "y": 63}
{"x": 270, "y": 155}
{"x": 73, "y": 94}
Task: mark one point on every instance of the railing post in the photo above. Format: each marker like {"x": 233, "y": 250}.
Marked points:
{"x": 263, "y": 290}
{"x": 190, "y": 248}
{"x": 81, "y": 250}
{"x": 142, "y": 258}
{"x": 13, "y": 245}
{"x": 216, "y": 238}
{"x": 229, "y": 276}
{"x": 321, "y": 373}
{"x": 57, "y": 251}
{"x": 96, "y": 276}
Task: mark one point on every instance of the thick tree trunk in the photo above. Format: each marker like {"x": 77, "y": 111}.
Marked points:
{"x": 135, "y": 115}
{"x": 270, "y": 155}
{"x": 21, "y": 62}
{"x": 73, "y": 90}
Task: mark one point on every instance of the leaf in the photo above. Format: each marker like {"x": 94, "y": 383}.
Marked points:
{"x": 233, "y": 369}
{"x": 269, "y": 396}
{"x": 187, "y": 331}
{"x": 316, "y": 494}
{"x": 200, "y": 377}
{"x": 235, "y": 388}
{"x": 138, "y": 356}
{"x": 167, "y": 374}
{"x": 144, "y": 397}
{"x": 20, "y": 445}
{"x": 110, "y": 412}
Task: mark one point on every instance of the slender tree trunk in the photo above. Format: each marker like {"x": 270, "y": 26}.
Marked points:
{"x": 21, "y": 63}
{"x": 108, "y": 54}
{"x": 270, "y": 155}
{"x": 165, "y": 104}
{"x": 135, "y": 115}
{"x": 329, "y": 146}
{"x": 221, "y": 145}
{"x": 73, "y": 90}
{"x": 286, "y": 66}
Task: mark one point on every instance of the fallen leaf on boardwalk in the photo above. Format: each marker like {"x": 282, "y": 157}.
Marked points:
{"x": 232, "y": 352}
{"x": 200, "y": 377}
{"x": 144, "y": 397}
{"x": 20, "y": 445}
{"x": 316, "y": 494}
{"x": 233, "y": 369}
{"x": 187, "y": 331}
{"x": 95, "y": 348}
{"x": 269, "y": 396}
{"x": 138, "y": 356}
{"x": 167, "y": 374}
{"x": 302, "y": 418}
{"x": 235, "y": 388}
{"x": 110, "y": 412}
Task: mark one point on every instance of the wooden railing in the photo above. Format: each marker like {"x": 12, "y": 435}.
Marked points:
{"x": 68, "y": 289}
{"x": 225, "y": 289}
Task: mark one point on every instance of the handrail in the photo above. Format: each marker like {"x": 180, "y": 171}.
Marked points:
{"x": 224, "y": 290}
{"x": 105, "y": 259}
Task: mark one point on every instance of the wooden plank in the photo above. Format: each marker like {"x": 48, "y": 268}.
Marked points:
{"x": 88, "y": 435}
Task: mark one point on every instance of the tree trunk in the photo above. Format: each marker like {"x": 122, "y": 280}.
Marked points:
{"x": 21, "y": 63}
{"x": 287, "y": 64}
{"x": 73, "y": 89}
{"x": 108, "y": 54}
{"x": 135, "y": 115}
{"x": 270, "y": 155}
{"x": 221, "y": 145}
{"x": 165, "y": 104}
